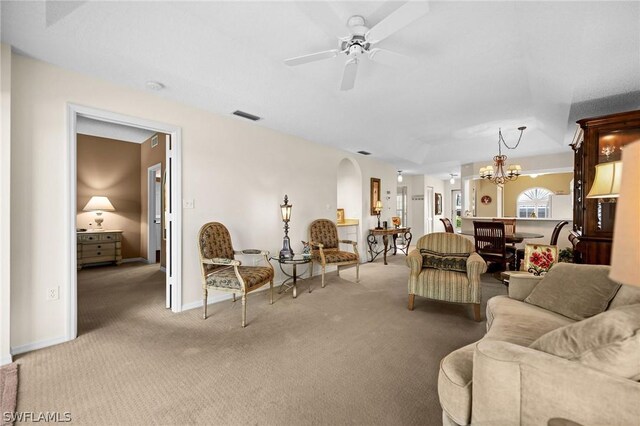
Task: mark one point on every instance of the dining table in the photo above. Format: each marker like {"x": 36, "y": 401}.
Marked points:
{"x": 515, "y": 238}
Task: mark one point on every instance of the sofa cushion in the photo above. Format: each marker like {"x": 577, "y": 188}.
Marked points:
{"x": 513, "y": 321}
{"x": 445, "y": 261}
{"x": 627, "y": 295}
{"x": 608, "y": 342}
{"x": 454, "y": 384}
{"x": 575, "y": 291}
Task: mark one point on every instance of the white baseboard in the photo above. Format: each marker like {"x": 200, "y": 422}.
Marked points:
{"x": 6, "y": 359}
{"x": 38, "y": 345}
{"x": 221, "y": 297}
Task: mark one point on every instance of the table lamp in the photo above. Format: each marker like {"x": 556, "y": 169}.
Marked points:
{"x": 99, "y": 204}
{"x": 285, "y": 210}
{"x": 625, "y": 254}
{"x": 378, "y": 209}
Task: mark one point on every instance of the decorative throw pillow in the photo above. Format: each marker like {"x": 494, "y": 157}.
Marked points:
{"x": 608, "y": 342}
{"x": 539, "y": 258}
{"x": 445, "y": 261}
{"x": 575, "y": 291}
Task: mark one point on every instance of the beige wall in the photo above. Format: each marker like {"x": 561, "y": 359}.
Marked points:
{"x": 558, "y": 183}
{"x": 483, "y": 188}
{"x": 5, "y": 203}
{"x": 148, "y": 157}
{"x": 111, "y": 168}
{"x": 237, "y": 172}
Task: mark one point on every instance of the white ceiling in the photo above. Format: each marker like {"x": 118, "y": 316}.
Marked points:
{"x": 477, "y": 66}
{"x": 103, "y": 129}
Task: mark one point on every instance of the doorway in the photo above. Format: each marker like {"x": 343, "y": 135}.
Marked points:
{"x": 429, "y": 209}
{"x": 154, "y": 210}
{"x": 172, "y": 222}
{"x": 456, "y": 208}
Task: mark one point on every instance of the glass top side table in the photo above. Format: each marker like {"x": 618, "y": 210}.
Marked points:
{"x": 292, "y": 281}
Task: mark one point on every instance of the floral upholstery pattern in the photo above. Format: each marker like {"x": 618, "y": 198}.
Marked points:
{"x": 539, "y": 258}
{"x": 325, "y": 232}
{"x": 215, "y": 242}
{"x": 445, "y": 261}
{"x": 225, "y": 277}
{"x": 335, "y": 256}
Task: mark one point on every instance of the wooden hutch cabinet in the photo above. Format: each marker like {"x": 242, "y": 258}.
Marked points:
{"x": 602, "y": 141}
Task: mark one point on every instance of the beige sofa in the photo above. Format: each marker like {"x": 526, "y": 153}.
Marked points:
{"x": 500, "y": 380}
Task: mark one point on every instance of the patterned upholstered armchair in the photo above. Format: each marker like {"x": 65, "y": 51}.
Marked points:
{"x": 445, "y": 266}
{"x": 325, "y": 249}
{"x": 222, "y": 272}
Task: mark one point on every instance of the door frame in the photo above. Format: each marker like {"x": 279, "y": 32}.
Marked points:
{"x": 151, "y": 210}
{"x": 174, "y": 240}
{"x": 429, "y": 211}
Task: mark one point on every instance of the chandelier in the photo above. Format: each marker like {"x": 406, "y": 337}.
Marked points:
{"x": 498, "y": 175}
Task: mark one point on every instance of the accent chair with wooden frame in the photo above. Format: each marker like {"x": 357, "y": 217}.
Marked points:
{"x": 325, "y": 248}
{"x": 445, "y": 267}
{"x": 222, "y": 272}
{"x": 491, "y": 242}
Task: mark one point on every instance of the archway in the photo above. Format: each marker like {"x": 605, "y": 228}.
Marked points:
{"x": 349, "y": 198}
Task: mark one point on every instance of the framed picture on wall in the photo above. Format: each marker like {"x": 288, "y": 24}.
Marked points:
{"x": 340, "y": 216}
{"x": 375, "y": 194}
{"x": 438, "y": 204}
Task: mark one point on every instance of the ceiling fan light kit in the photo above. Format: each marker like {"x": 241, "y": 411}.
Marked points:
{"x": 498, "y": 175}
{"x": 361, "y": 39}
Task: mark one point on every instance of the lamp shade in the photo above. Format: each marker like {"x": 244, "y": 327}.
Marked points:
{"x": 625, "y": 254}
{"x": 285, "y": 210}
{"x": 97, "y": 203}
{"x": 607, "y": 181}
{"x": 378, "y": 206}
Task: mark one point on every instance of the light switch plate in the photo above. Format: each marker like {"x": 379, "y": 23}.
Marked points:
{"x": 187, "y": 204}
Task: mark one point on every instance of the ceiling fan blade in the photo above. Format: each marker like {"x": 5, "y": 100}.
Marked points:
{"x": 399, "y": 19}
{"x": 388, "y": 57}
{"x": 299, "y": 60}
{"x": 349, "y": 75}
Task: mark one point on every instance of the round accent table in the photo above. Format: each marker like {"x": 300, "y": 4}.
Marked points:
{"x": 292, "y": 281}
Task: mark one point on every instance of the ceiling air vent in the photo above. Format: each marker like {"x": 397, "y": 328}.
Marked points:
{"x": 364, "y": 153}
{"x": 246, "y": 115}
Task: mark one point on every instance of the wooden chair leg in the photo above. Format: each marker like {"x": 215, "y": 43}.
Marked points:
{"x": 271, "y": 292}
{"x": 358, "y": 272}
{"x": 204, "y": 303}
{"x": 322, "y": 276}
{"x": 338, "y": 269}
{"x": 412, "y": 298}
{"x": 244, "y": 310}
{"x": 476, "y": 312}
{"x": 234, "y": 297}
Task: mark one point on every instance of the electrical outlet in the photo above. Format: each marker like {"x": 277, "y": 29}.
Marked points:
{"x": 187, "y": 204}
{"x": 52, "y": 293}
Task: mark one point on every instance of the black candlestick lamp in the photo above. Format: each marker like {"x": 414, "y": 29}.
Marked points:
{"x": 378, "y": 209}
{"x": 285, "y": 209}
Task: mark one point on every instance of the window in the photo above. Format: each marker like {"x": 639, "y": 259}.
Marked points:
{"x": 401, "y": 205}
{"x": 534, "y": 202}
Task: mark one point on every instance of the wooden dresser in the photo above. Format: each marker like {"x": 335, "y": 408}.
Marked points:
{"x": 603, "y": 140}
{"x": 99, "y": 247}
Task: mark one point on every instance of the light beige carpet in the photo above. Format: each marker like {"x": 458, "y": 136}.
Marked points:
{"x": 8, "y": 392}
{"x": 348, "y": 353}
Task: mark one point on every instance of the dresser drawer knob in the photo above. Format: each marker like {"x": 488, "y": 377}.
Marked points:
{"x": 99, "y": 246}
{"x": 99, "y": 253}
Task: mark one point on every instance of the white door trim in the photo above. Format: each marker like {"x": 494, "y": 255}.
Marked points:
{"x": 151, "y": 211}
{"x": 175, "y": 243}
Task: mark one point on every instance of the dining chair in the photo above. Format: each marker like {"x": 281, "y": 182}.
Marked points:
{"x": 448, "y": 226}
{"x": 222, "y": 272}
{"x": 491, "y": 242}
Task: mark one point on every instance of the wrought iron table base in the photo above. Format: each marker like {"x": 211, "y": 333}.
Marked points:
{"x": 293, "y": 279}
{"x": 373, "y": 242}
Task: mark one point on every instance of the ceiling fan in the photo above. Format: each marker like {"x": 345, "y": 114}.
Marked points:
{"x": 361, "y": 41}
